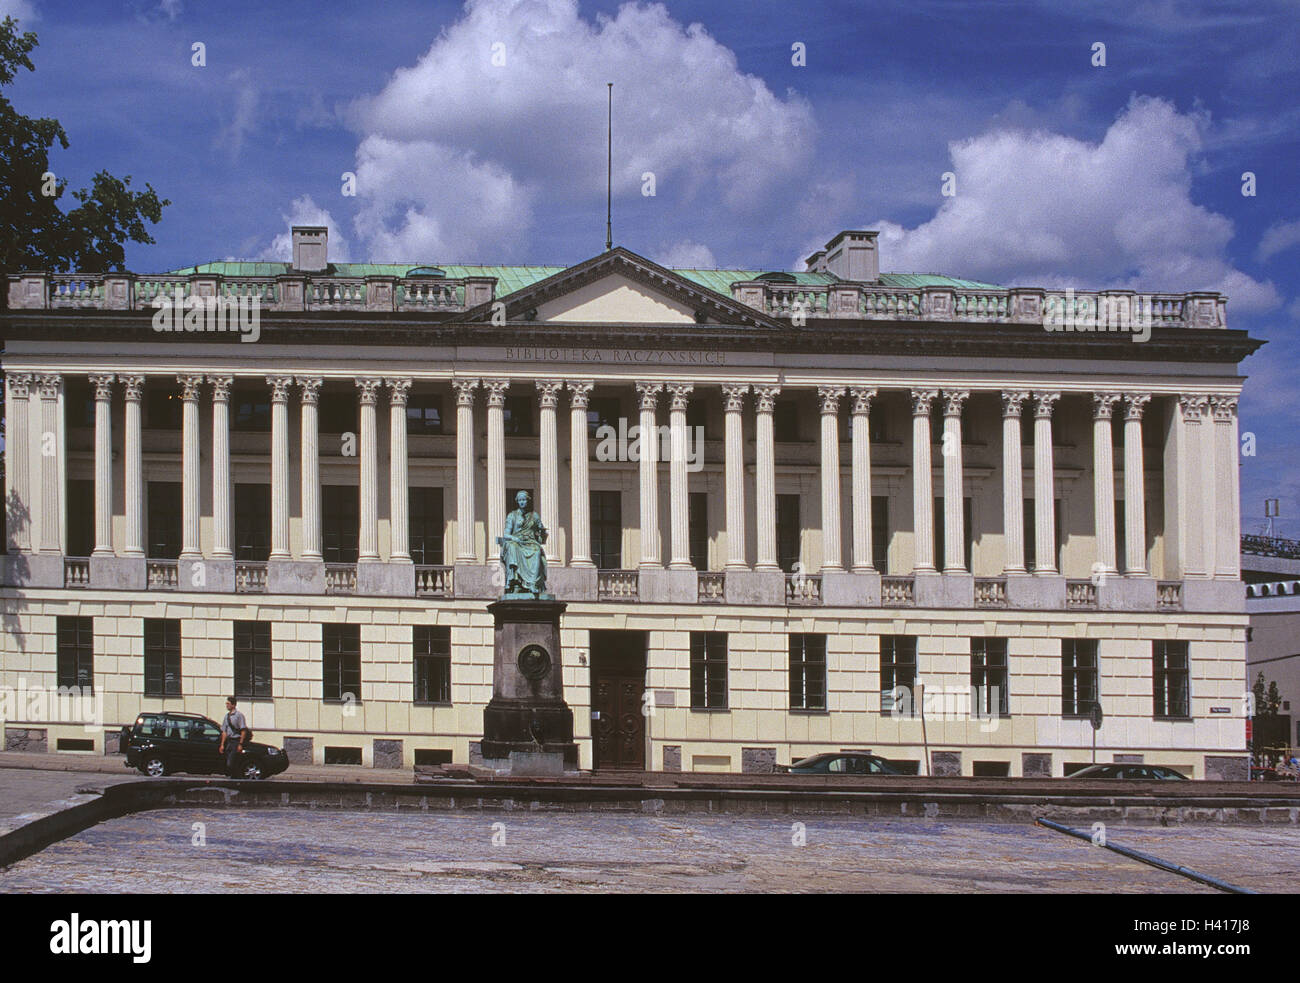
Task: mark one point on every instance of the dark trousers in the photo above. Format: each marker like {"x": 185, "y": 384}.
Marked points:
{"x": 233, "y": 758}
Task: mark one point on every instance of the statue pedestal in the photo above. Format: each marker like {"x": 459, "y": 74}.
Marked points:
{"x": 527, "y": 726}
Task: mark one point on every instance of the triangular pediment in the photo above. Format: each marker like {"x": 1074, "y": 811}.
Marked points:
{"x": 620, "y": 287}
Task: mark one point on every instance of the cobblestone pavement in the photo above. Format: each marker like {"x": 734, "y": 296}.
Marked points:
{"x": 362, "y": 852}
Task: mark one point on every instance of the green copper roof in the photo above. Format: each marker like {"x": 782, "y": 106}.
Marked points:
{"x": 512, "y": 278}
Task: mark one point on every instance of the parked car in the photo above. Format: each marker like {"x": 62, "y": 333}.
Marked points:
{"x": 161, "y": 743}
{"x": 1140, "y": 772}
{"x": 841, "y": 763}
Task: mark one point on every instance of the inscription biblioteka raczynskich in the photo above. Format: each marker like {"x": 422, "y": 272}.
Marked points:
{"x": 616, "y": 356}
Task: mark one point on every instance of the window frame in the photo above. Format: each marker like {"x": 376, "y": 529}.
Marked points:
{"x": 898, "y": 662}
{"x": 245, "y": 683}
{"x": 75, "y": 643}
{"x": 1162, "y": 673}
{"x": 336, "y": 646}
{"x": 431, "y": 664}
{"x": 709, "y": 670}
{"x": 162, "y": 645}
{"x": 1072, "y": 671}
{"x": 807, "y": 662}
{"x": 982, "y": 649}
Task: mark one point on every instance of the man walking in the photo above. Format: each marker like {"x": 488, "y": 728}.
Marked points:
{"x": 233, "y": 729}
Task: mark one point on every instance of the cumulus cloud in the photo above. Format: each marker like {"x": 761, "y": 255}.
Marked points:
{"x": 244, "y": 116}
{"x": 1278, "y": 237}
{"x": 1035, "y": 207}
{"x": 508, "y": 106}
{"x": 20, "y": 10}
{"x": 686, "y": 256}
{"x": 304, "y": 211}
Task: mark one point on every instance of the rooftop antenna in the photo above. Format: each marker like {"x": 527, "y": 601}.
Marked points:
{"x": 609, "y": 172}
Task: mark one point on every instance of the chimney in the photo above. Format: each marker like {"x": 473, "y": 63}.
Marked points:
{"x": 310, "y": 248}
{"x": 851, "y": 255}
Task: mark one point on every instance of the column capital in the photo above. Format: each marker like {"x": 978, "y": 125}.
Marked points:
{"x": 579, "y": 392}
{"x": 1044, "y": 403}
{"x": 830, "y": 397}
{"x": 20, "y": 384}
{"x": 649, "y": 394}
{"x": 862, "y": 399}
{"x": 765, "y": 398}
{"x": 368, "y": 390}
{"x": 310, "y": 386}
{"x": 922, "y": 399}
{"x": 496, "y": 391}
{"x": 1224, "y": 408}
{"x": 191, "y": 387}
{"x": 680, "y": 392}
{"x": 1194, "y": 405}
{"x": 133, "y": 386}
{"x": 953, "y": 400}
{"x": 50, "y": 384}
{"x": 1134, "y": 404}
{"x": 221, "y": 387}
{"x": 103, "y": 386}
{"x": 464, "y": 391}
{"x": 734, "y": 397}
{"x": 1103, "y": 404}
{"x": 399, "y": 390}
{"x": 279, "y": 387}
{"x": 1012, "y": 399}
{"x": 548, "y": 392}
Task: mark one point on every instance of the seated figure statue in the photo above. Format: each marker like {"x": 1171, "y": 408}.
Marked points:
{"x": 522, "y": 557}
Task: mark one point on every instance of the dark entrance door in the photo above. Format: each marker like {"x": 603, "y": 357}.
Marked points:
{"x": 617, "y": 699}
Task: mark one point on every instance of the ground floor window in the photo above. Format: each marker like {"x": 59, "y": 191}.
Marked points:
{"x": 341, "y": 661}
{"x": 807, "y": 672}
{"x": 162, "y": 657}
{"x": 432, "y": 653}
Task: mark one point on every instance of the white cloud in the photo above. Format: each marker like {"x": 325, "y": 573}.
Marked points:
{"x": 686, "y": 256}
{"x": 232, "y": 135}
{"x": 456, "y": 152}
{"x": 170, "y": 8}
{"x": 304, "y": 211}
{"x": 1278, "y": 237}
{"x": 1041, "y": 208}
{"x": 20, "y": 10}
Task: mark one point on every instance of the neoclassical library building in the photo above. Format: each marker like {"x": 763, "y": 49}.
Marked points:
{"x": 971, "y": 528}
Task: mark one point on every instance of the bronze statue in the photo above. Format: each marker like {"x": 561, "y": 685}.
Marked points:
{"x": 522, "y": 557}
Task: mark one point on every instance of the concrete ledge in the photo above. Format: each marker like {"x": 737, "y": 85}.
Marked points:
{"x": 851, "y": 590}
{"x": 295, "y": 577}
{"x": 33, "y": 570}
{"x": 1119, "y": 593}
{"x": 386, "y": 579}
{"x": 477, "y": 580}
{"x": 1219, "y": 596}
{"x": 123, "y": 573}
{"x": 218, "y": 576}
{"x": 667, "y": 586}
{"x": 765, "y": 587}
{"x": 1036, "y": 593}
{"x": 572, "y": 583}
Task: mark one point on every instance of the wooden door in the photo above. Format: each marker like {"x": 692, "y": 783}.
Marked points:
{"x": 619, "y": 730}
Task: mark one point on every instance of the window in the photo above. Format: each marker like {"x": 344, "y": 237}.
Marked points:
{"x": 1078, "y": 677}
{"x": 252, "y": 522}
{"x": 1120, "y": 560}
{"x": 81, "y": 518}
{"x": 1030, "y": 535}
{"x": 341, "y": 659}
{"x": 898, "y": 675}
{"x": 517, "y": 420}
{"x": 602, "y": 411}
{"x": 253, "y": 659}
{"x": 785, "y": 421}
{"x": 423, "y": 414}
{"x": 162, "y": 409}
{"x": 432, "y": 652}
{"x": 788, "y": 534}
{"x": 76, "y": 657}
{"x": 880, "y": 532}
{"x": 709, "y": 670}
{"x": 697, "y": 416}
{"x": 969, "y": 534}
{"x": 338, "y": 413}
{"x": 426, "y": 523}
{"x": 807, "y": 672}
{"x": 607, "y": 529}
{"x": 162, "y": 657}
{"x": 79, "y": 403}
{"x": 1170, "y": 679}
{"x": 340, "y": 523}
{"x": 164, "y": 520}
{"x": 988, "y": 677}
{"x": 250, "y": 409}
{"x": 876, "y": 425}
{"x": 697, "y": 508}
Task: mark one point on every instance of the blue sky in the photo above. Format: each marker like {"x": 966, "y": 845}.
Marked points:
{"x": 1069, "y": 174}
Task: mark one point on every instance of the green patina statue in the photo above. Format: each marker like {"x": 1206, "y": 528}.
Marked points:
{"x": 522, "y": 557}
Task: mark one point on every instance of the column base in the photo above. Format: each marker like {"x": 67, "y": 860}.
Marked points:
{"x": 295, "y": 577}
{"x": 395, "y": 579}
{"x": 858, "y": 589}
{"x": 1036, "y": 592}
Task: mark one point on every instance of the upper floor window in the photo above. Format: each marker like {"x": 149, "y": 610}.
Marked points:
{"x": 785, "y": 421}
{"x": 163, "y": 409}
{"x": 164, "y": 504}
{"x": 517, "y": 420}
{"x": 602, "y": 411}
{"x": 424, "y": 414}
{"x": 607, "y": 529}
{"x": 338, "y": 412}
{"x": 250, "y": 409}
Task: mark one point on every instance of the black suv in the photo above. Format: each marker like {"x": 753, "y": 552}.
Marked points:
{"x": 161, "y": 743}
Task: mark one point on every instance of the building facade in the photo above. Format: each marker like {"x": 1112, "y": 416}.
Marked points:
{"x": 934, "y": 518}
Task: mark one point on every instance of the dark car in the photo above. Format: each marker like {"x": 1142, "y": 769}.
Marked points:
{"x": 842, "y": 763}
{"x": 161, "y": 743}
{"x": 1150, "y": 773}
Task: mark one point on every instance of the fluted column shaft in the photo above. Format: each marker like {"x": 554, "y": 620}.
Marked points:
{"x": 579, "y": 492}
{"x": 1227, "y": 488}
{"x": 132, "y": 468}
{"x": 861, "y": 466}
{"x": 399, "y": 527}
{"x": 832, "y": 555}
{"x": 922, "y": 481}
{"x": 1044, "y": 485}
{"x": 954, "y": 512}
{"x": 191, "y": 390}
{"x": 1013, "y": 490}
{"x": 221, "y": 541}
{"x": 103, "y": 464}
{"x": 734, "y": 463}
{"x": 1103, "y": 473}
{"x": 18, "y": 462}
{"x": 51, "y": 504}
{"x": 1135, "y": 528}
{"x": 280, "y": 466}
{"x": 765, "y": 476}
{"x": 368, "y": 538}
{"x": 309, "y": 420}
{"x": 648, "y": 443}
{"x": 465, "y": 469}
{"x": 548, "y": 465}
{"x": 678, "y": 486}
{"x": 496, "y": 463}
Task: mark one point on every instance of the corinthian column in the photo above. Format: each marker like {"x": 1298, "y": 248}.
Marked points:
{"x": 1227, "y": 565}
{"x": 496, "y": 463}
{"x": 399, "y": 527}
{"x": 922, "y": 482}
{"x": 1135, "y": 527}
{"x": 191, "y": 390}
{"x": 51, "y": 512}
{"x": 861, "y": 465}
{"x": 103, "y": 464}
{"x": 648, "y": 444}
{"x": 548, "y": 465}
{"x": 465, "y": 469}
{"x": 734, "y": 463}
{"x": 679, "y": 539}
{"x": 1103, "y": 474}
{"x": 954, "y": 513}
{"x": 280, "y": 466}
{"x": 221, "y": 545}
{"x": 765, "y": 476}
{"x": 1013, "y": 490}
{"x": 1044, "y": 485}
{"x": 18, "y": 482}
{"x": 579, "y": 495}
{"x": 310, "y": 491}
{"x": 832, "y": 557}
{"x": 132, "y": 469}
{"x": 368, "y": 539}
